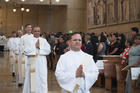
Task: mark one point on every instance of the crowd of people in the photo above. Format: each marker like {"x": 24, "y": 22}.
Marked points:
{"x": 28, "y": 52}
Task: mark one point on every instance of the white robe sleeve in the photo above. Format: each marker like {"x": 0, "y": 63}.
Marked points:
{"x": 16, "y": 47}
{"x": 9, "y": 44}
{"x": 91, "y": 75}
{"x": 21, "y": 45}
{"x": 44, "y": 47}
{"x": 66, "y": 79}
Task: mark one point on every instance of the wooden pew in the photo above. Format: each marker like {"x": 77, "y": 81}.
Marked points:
{"x": 110, "y": 72}
{"x": 135, "y": 89}
{"x": 100, "y": 65}
{"x": 99, "y": 81}
{"x": 121, "y": 77}
{"x": 111, "y": 57}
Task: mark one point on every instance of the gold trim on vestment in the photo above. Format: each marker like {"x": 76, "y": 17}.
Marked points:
{"x": 76, "y": 88}
{"x": 11, "y": 60}
{"x": 16, "y": 61}
{"x": 11, "y": 56}
{"x": 32, "y": 70}
{"x": 23, "y": 62}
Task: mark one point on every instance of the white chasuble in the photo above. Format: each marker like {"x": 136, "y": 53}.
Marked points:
{"x": 66, "y": 72}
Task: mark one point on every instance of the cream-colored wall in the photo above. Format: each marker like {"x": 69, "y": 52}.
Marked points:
{"x": 39, "y": 15}
{"x": 67, "y": 15}
{"x": 76, "y": 15}
{"x": 72, "y": 17}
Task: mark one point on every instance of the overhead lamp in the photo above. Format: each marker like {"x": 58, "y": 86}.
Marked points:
{"x": 41, "y": 0}
{"x": 27, "y": 10}
{"x": 22, "y": 9}
{"x": 7, "y": 0}
{"x": 14, "y": 10}
{"x": 57, "y": 0}
{"x": 22, "y": 0}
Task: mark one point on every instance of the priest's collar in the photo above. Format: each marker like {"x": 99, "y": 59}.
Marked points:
{"x": 76, "y": 51}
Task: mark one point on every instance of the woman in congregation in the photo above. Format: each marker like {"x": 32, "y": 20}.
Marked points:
{"x": 124, "y": 55}
{"x": 102, "y": 45}
{"x": 134, "y": 60}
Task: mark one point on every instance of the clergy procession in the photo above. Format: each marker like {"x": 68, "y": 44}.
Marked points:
{"x": 27, "y": 58}
{"x": 80, "y": 62}
{"x": 76, "y": 71}
{"x": 69, "y": 46}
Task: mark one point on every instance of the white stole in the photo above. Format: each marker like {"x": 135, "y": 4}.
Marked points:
{"x": 24, "y": 60}
{"x": 32, "y": 70}
{"x": 86, "y": 63}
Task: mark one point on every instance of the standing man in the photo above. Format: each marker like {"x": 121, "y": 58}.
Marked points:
{"x": 24, "y": 45}
{"x": 36, "y": 72}
{"x": 76, "y": 71}
{"x": 11, "y": 46}
{"x": 18, "y": 56}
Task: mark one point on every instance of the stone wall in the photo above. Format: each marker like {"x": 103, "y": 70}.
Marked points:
{"x": 121, "y": 28}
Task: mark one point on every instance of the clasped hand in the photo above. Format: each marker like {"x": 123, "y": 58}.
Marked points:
{"x": 79, "y": 72}
{"x": 37, "y": 44}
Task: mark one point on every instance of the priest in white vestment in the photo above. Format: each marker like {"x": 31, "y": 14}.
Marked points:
{"x": 36, "y": 52}
{"x": 76, "y": 71}
{"x": 25, "y": 39}
{"x": 18, "y": 53}
{"x": 11, "y": 46}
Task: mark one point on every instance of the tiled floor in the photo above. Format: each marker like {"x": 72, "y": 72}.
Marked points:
{"x": 8, "y": 84}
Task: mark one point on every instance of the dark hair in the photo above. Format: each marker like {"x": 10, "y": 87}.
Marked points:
{"x": 67, "y": 38}
{"x": 88, "y": 37}
{"x": 103, "y": 38}
{"x": 27, "y": 25}
{"x": 74, "y": 34}
{"x": 137, "y": 35}
{"x": 130, "y": 42}
{"x": 13, "y": 32}
{"x": 135, "y": 29}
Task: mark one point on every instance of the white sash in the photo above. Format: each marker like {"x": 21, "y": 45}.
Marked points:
{"x": 11, "y": 57}
{"x": 86, "y": 63}
{"x": 32, "y": 70}
{"x": 24, "y": 59}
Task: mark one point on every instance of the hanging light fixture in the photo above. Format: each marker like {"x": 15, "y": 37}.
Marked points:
{"x": 41, "y": 0}
{"x": 22, "y": 8}
{"x": 57, "y": 0}
{"x": 7, "y": 0}
{"x": 22, "y": 0}
{"x": 27, "y": 10}
{"x": 14, "y": 10}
